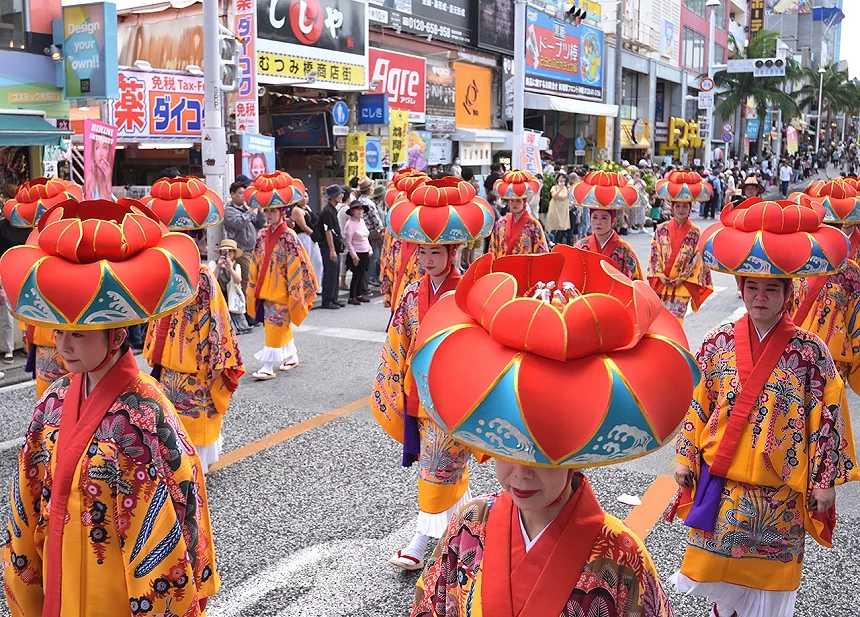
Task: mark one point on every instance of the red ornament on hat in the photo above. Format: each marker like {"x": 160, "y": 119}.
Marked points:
{"x": 403, "y": 182}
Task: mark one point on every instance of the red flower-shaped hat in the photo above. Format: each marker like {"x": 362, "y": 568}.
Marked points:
{"x": 275, "y": 190}
{"x": 840, "y": 199}
{"x": 445, "y": 211}
{"x": 774, "y": 239}
{"x": 554, "y": 360}
{"x": 403, "y": 181}
{"x": 185, "y": 203}
{"x": 607, "y": 190}
{"x": 684, "y": 186}
{"x": 37, "y": 196}
{"x": 97, "y": 265}
{"x": 517, "y": 184}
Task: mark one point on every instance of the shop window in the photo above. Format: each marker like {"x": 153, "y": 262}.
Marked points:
{"x": 697, "y": 6}
{"x": 12, "y": 23}
{"x": 694, "y": 50}
{"x": 629, "y": 95}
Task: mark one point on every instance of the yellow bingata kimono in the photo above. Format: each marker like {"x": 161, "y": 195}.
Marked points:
{"x": 689, "y": 279}
{"x": 398, "y": 267}
{"x": 134, "y": 537}
{"x": 49, "y": 363}
{"x": 797, "y": 439}
{"x": 531, "y": 239}
{"x": 197, "y": 351}
{"x": 443, "y": 475}
{"x": 835, "y": 317}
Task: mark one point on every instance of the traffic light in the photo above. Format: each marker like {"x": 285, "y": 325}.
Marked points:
{"x": 769, "y": 67}
{"x": 676, "y": 125}
{"x": 229, "y": 50}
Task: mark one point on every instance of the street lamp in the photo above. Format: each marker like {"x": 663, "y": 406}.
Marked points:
{"x": 709, "y": 112}
{"x": 821, "y": 72}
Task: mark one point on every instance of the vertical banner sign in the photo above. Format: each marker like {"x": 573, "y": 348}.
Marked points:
{"x": 355, "y": 156}
{"x": 99, "y": 150}
{"x": 244, "y": 100}
{"x": 756, "y": 16}
{"x": 530, "y": 155}
{"x": 90, "y": 50}
{"x": 473, "y": 96}
{"x": 399, "y": 124}
{"x": 258, "y": 154}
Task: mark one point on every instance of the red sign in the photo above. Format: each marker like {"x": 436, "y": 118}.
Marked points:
{"x": 402, "y": 77}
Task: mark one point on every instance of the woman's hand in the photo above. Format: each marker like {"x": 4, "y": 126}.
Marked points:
{"x": 684, "y": 476}
{"x": 354, "y": 259}
{"x": 822, "y": 499}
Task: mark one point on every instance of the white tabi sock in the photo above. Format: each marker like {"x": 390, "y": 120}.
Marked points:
{"x": 418, "y": 546}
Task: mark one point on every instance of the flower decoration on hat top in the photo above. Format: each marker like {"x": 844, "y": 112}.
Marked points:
{"x": 840, "y": 199}
{"x": 126, "y": 268}
{"x": 275, "y": 190}
{"x": 517, "y": 184}
{"x": 444, "y": 211}
{"x": 607, "y": 190}
{"x": 497, "y": 361}
{"x": 684, "y": 186}
{"x": 774, "y": 239}
{"x": 185, "y": 203}
{"x": 34, "y": 197}
{"x": 403, "y": 182}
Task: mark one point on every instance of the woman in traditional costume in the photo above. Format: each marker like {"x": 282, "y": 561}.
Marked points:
{"x": 194, "y": 352}
{"x": 108, "y": 509}
{"x": 31, "y": 201}
{"x": 495, "y": 364}
{"x": 439, "y": 216}
{"x": 767, "y": 435}
{"x": 398, "y": 263}
{"x": 604, "y": 194}
{"x": 282, "y": 286}
{"x": 675, "y": 268}
{"x": 517, "y": 232}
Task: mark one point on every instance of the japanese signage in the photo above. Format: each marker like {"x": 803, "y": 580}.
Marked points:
{"x": 473, "y": 96}
{"x": 373, "y": 155}
{"x": 154, "y": 105}
{"x": 402, "y": 78}
{"x": 355, "y": 163}
{"x": 440, "y": 98}
{"x": 319, "y": 42}
{"x": 445, "y": 20}
{"x": 756, "y": 16}
{"x": 243, "y": 102}
{"x": 496, "y": 25}
{"x": 258, "y": 154}
{"x": 562, "y": 58}
{"x": 99, "y": 151}
{"x": 440, "y": 151}
{"x": 530, "y": 153}
{"x": 373, "y": 109}
{"x": 89, "y": 50}
{"x": 398, "y": 125}
{"x": 683, "y": 134}
{"x": 476, "y": 153}
{"x": 301, "y": 130}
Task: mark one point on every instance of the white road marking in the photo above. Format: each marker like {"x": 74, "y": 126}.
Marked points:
{"x": 18, "y": 386}
{"x": 377, "y": 301}
{"x": 11, "y": 444}
{"x": 354, "y": 334}
{"x": 342, "y": 576}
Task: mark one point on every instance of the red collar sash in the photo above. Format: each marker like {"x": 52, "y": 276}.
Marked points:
{"x": 514, "y": 230}
{"x": 752, "y": 377}
{"x": 607, "y": 249}
{"x": 677, "y": 233}
{"x": 78, "y": 424}
{"x": 272, "y": 239}
{"x": 814, "y": 288}
{"x": 541, "y": 581}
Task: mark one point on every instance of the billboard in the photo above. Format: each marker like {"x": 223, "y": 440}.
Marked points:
{"x": 258, "y": 154}
{"x": 561, "y": 58}
{"x": 443, "y": 20}
{"x": 495, "y": 26}
{"x": 319, "y": 42}
{"x": 99, "y": 152}
{"x": 402, "y": 78}
{"x": 301, "y": 130}
{"x": 473, "y": 96}
{"x": 158, "y": 105}
{"x": 89, "y": 50}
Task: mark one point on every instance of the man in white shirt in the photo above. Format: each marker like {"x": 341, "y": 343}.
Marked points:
{"x": 785, "y": 173}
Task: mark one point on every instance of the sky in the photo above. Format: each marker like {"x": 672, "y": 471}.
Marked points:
{"x": 850, "y": 45}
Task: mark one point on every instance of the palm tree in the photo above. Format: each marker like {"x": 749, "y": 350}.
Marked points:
{"x": 737, "y": 88}
{"x": 838, "y": 93}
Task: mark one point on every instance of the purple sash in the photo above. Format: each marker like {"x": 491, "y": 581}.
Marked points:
{"x": 706, "y": 503}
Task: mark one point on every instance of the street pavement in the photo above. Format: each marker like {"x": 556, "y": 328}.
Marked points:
{"x": 310, "y": 501}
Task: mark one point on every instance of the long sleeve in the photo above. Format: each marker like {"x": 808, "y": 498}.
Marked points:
{"x": 655, "y": 261}
{"x": 853, "y": 334}
{"x": 496, "y": 241}
{"x": 688, "y": 446}
{"x": 235, "y": 220}
{"x": 832, "y": 459}
{"x": 348, "y": 236}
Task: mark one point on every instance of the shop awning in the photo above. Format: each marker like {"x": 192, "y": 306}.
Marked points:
{"x": 29, "y": 130}
{"x": 571, "y": 106}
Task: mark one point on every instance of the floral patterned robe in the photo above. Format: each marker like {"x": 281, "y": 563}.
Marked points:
{"x": 109, "y": 511}
{"x": 531, "y": 241}
{"x": 689, "y": 279}
{"x": 618, "y": 251}
{"x": 49, "y": 364}
{"x": 395, "y": 275}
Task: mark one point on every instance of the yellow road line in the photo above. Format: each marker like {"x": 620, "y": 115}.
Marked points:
{"x": 643, "y": 517}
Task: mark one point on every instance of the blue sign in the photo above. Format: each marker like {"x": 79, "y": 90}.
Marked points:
{"x": 373, "y": 109}
{"x": 580, "y": 143}
{"x": 90, "y": 50}
{"x": 373, "y": 155}
{"x": 752, "y": 128}
{"x": 340, "y": 113}
{"x": 562, "y": 58}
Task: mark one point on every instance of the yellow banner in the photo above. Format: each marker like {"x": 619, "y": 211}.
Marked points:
{"x": 295, "y": 67}
{"x": 398, "y": 125}
{"x": 355, "y": 162}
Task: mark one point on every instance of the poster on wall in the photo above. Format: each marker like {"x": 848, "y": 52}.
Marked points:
{"x": 156, "y": 105}
{"x": 440, "y": 151}
{"x": 418, "y": 148}
{"x": 99, "y": 151}
{"x": 444, "y": 20}
{"x": 319, "y": 42}
{"x": 441, "y": 93}
{"x": 89, "y": 50}
{"x": 562, "y": 58}
{"x": 402, "y": 78}
{"x": 258, "y": 154}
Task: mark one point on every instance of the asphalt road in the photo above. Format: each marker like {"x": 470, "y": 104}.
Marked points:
{"x": 312, "y": 500}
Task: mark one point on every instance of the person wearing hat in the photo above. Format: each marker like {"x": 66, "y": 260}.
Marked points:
{"x": 603, "y": 194}
{"x": 228, "y": 273}
{"x": 767, "y": 436}
{"x": 517, "y": 232}
{"x": 282, "y": 283}
{"x": 331, "y": 246}
{"x": 495, "y": 364}
{"x": 751, "y": 187}
{"x": 675, "y": 268}
{"x": 109, "y": 512}
{"x": 440, "y": 216}
{"x": 358, "y": 250}
{"x": 375, "y": 226}
{"x": 32, "y": 199}
{"x": 193, "y": 352}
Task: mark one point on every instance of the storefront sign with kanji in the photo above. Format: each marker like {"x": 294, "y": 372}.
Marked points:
{"x": 397, "y": 129}
{"x": 355, "y": 161}
{"x": 155, "y": 105}
{"x": 402, "y": 78}
{"x": 243, "y": 103}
